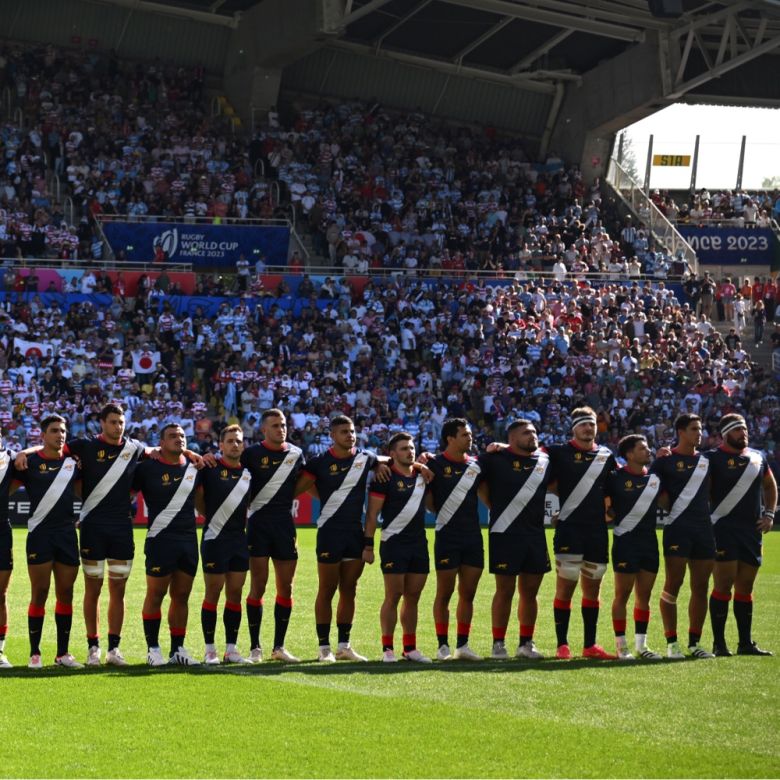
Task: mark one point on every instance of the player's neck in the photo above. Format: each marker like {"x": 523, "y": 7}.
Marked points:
{"x": 341, "y": 452}
{"x": 172, "y": 459}
{"x": 583, "y": 445}
{"x": 520, "y": 452}
{"x": 108, "y": 440}
{"x": 456, "y": 456}
{"x": 404, "y": 470}
{"x": 50, "y": 453}
{"x": 684, "y": 449}
{"x": 270, "y": 445}
{"x": 636, "y": 469}
{"x": 231, "y": 463}
{"x": 734, "y": 450}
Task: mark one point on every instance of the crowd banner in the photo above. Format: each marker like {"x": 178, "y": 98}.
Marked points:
{"x": 733, "y": 245}
{"x": 201, "y": 245}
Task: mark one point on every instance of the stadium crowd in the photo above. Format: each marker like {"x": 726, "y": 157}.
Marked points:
{"x": 738, "y": 208}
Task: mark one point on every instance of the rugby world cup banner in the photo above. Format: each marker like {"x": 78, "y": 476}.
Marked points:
{"x": 733, "y": 246}
{"x": 204, "y": 245}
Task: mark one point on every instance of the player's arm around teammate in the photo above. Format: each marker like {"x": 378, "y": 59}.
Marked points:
{"x": 222, "y": 498}
{"x": 403, "y": 548}
{"x": 6, "y": 550}
{"x": 514, "y": 488}
{"x": 741, "y": 483}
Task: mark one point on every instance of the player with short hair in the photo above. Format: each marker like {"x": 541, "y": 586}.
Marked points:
{"x": 6, "y": 550}
{"x": 515, "y": 488}
{"x": 740, "y": 482}
{"x": 403, "y": 548}
{"x": 168, "y": 488}
{"x": 223, "y": 496}
{"x": 581, "y": 542}
{"x": 274, "y": 464}
{"x": 688, "y": 540}
{"x": 459, "y": 553}
{"x": 52, "y": 547}
{"x": 632, "y": 494}
{"x": 340, "y": 476}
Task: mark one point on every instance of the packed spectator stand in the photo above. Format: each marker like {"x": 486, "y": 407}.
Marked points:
{"x": 478, "y": 295}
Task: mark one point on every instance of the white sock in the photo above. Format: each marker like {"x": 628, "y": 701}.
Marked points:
{"x": 230, "y": 648}
{"x": 640, "y": 641}
{"x": 620, "y": 641}
{"x": 211, "y": 648}
{"x": 2, "y": 645}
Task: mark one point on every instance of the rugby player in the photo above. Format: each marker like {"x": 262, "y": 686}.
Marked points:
{"x": 515, "y": 487}
{"x": 632, "y": 495}
{"x": 340, "y": 476}
{"x": 6, "y": 550}
{"x": 168, "y": 487}
{"x": 688, "y": 540}
{"x": 403, "y": 548}
{"x": 275, "y": 466}
{"x": 741, "y": 482}
{"x": 222, "y": 498}
{"x": 52, "y": 547}
{"x": 458, "y": 548}
{"x": 579, "y": 471}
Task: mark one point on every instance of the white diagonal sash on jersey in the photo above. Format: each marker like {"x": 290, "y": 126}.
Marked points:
{"x": 406, "y": 515}
{"x": 641, "y": 505}
{"x": 163, "y": 520}
{"x": 53, "y": 494}
{"x": 523, "y": 496}
{"x": 228, "y": 506}
{"x": 108, "y": 480}
{"x": 689, "y": 491}
{"x": 339, "y": 495}
{"x": 5, "y": 462}
{"x": 735, "y": 495}
{"x": 271, "y": 488}
{"x": 583, "y": 487}
{"x": 458, "y": 494}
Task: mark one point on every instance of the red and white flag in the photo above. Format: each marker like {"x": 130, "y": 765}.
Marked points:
{"x": 33, "y": 348}
{"x": 145, "y": 362}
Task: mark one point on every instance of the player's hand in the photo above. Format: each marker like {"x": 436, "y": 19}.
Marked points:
{"x": 609, "y": 515}
{"x": 424, "y": 457}
{"x": 554, "y": 519}
{"x": 427, "y": 474}
{"x": 765, "y": 523}
{"x": 210, "y": 460}
{"x": 496, "y": 446}
{"x": 368, "y": 555}
{"x": 20, "y": 462}
{"x": 155, "y": 453}
{"x": 383, "y": 473}
{"x": 663, "y": 452}
{"x": 198, "y": 461}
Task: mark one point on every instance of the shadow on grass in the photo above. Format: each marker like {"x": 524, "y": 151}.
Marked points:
{"x": 272, "y": 669}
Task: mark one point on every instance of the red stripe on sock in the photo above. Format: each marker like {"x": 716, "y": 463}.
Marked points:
{"x": 641, "y": 614}
{"x": 283, "y": 602}
{"x": 387, "y": 639}
{"x": 743, "y": 596}
{"x": 409, "y": 639}
{"x": 63, "y": 609}
{"x": 442, "y": 628}
{"x": 619, "y": 625}
{"x": 232, "y": 606}
{"x": 720, "y": 595}
{"x": 93, "y": 636}
{"x": 695, "y": 632}
{"x": 464, "y": 628}
{"x": 591, "y": 603}
{"x": 34, "y": 611}
{"x": 254, "y": 602}
{"x": 208, "y": 606}
{"x": 527, "y": 630}
{"x": 667, "y": 634}
{"x": 178, "y": 631}
{"x": 151, "y": 615}
{"x": 3, "y": 630}
{"x": 561, "y": 604}
{"x": 499, "y": 632}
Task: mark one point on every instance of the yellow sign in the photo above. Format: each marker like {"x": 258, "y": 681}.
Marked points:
{"x": 674, "y": 160}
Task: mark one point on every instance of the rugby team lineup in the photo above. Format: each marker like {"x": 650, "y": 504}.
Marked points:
{"x": 717, "y": 505}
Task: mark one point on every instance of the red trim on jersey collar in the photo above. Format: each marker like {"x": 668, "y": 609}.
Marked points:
{"x": 101, "y": 437}
{"x": 273, "y": 447}
{"x": 731, "y": 450}
{"x": 352, "y": 453}
{"x": 398, "y": 471}
{"x": 582, "y": 449}
{"x": 642, "y": 473}
{"x": 46, "y": 457}
{"x": 466, "y": 458}
{"x": 227, "y": 465}
{"x": 182, "y": 460}
{"x": 676, "y": 451}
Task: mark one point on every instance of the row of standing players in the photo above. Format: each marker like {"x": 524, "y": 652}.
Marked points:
{"x": 717, "y": 503}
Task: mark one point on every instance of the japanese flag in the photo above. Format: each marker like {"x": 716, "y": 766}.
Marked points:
{"x": 145, "y": 362}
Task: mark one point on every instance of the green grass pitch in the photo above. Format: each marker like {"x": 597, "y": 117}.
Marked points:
{"x": 490, "y": 719}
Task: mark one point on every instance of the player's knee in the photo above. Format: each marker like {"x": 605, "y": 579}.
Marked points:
{"x": 94, "y": 570}
{"x": 568, "y": 567}
{"x": 668, "y": 598}
{"x": 119, "y": 570}
{"x": 593, "y": 571}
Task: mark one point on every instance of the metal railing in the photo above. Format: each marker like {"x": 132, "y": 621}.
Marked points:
{"x": 259, "y": 162}
{"x": 231, "y": 221}
{"x": 632, "y": 195}
{"x": 82, "y": 264}
{"x": 69, "y": 210}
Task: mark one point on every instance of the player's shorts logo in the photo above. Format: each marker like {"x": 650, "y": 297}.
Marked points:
{"x": 720, "y": 553}
{"x": 389, "y": 565}
{"x": 502, "y": 565}
{"x": 156, "y": 568}
{"x": 324, "y": 555}
{"x": 674, "y": 547}
{"x": 210, "y": 565}
{"x": 622, "y": 565}
{"x": 444, "y": 560}
{"x": 32, "y": 556}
